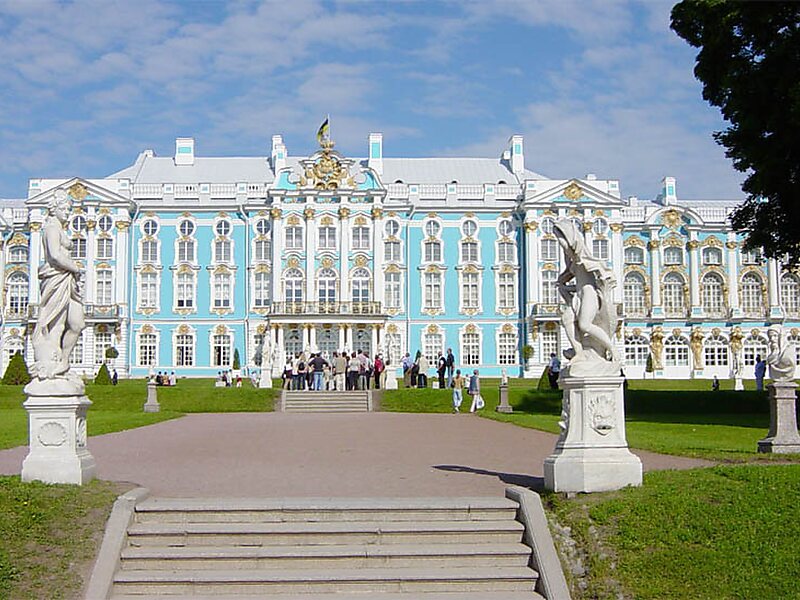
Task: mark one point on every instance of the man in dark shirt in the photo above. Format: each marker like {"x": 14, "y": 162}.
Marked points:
{"x": 451, "y": 366}
{"x": 441, "y": 367}
{"x": 318, "y": 364}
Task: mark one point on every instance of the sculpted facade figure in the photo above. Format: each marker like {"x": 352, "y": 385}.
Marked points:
{"x": 61, "y": 319}
{"x": 781, "y": 357}
{"x": 737, "y": 343}
{"x": 657, "y": 347}
{"x": 590, "y": 315}
{"x": 696, "y": 343}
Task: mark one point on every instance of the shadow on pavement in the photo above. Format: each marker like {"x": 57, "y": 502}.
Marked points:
{"x": 527, "y": 481}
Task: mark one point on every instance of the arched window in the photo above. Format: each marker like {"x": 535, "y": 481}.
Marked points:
{"x": 184, "y": 296}
{"x": 261, "y": 288}
{"x": 293, "y": 342}
{"x": 790, "y": 294}
{"x": 221, "y": 348}
{"x": 673, "y": 255}
{"x": 715, "y": 352}
{"x": 713, "y": 295}
{"x": 754, "y": 346}
{"x": 712, "y": 256}
{"x": 676, "y": 351}
{"x": 103, "y": 292}
{"x": 360, "y": 286}
{"x": 674, "y": 297}
{"x": 752, "y": 295}
{"x": 18, "y": 254}
{"x": 637, "y": 349}
{"x": 549, "y": 289}
{"x": 326, "y": 286}
{"x": 293, "y": 285}
{"x": 18, "y": 293}
{"x": 633, "y": 295}
{"x": 795, "y": 340}
{"x": 433, "y": 251}
{"x": 634, "y": 256}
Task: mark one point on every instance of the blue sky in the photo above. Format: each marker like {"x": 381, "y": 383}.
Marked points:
{"x": 595, "y": 86}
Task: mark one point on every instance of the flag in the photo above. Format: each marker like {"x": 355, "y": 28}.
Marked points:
{"x": 324, "y": 130}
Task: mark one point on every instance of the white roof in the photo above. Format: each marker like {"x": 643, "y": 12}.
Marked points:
{"x": 162, "y": 169}
{"x": 446, "y": 170}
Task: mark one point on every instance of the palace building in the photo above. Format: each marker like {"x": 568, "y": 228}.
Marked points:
{"x": 188, "y": 259}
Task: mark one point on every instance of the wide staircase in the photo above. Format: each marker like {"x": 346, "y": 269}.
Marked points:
{"x": 329, "y": 402}
{"x": 377, "y": 549}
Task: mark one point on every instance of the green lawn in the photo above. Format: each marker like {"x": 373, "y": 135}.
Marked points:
{"x": 672, "y": 417}
{"x": 719, "y": 533}
{"x": 117, "y": 408}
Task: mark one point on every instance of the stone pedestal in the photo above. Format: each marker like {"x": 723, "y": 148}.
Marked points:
{"x": 503, "y": 406}
{"x": 782, "y": 437}
{"x": 57, "y": 440}
{"x": 592, "y": 454}
{"x": 152, "y": 405}
{"x": 391, "y": 379}
{"x": 738, "y": 384}
{"x": 265, "y": 377}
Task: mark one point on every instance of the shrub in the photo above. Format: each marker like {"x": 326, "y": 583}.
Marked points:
{"x": 527, "y": 352}
{"x": 103, "y": 377}
{"x": 17, "y": 371}
{"x": 648, "y": 367}
{"x": 111, "y": 353}
{"x": 544, "y": 380}
{"x": 236, "y": 362}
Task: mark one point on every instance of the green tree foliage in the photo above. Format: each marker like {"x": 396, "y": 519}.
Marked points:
{"x": 111, "y": 353}
{"x": 749, "y": 62}
{"x": 648, "y": 367}
{"x": 544, "y": 381}
{"x": 16, "y": 371}
{"x": 103, "y": 376}
{"x": 237, "y": 364}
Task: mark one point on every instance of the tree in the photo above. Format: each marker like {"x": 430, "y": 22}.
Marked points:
{"x": 237, "y": 364}
{"x": 103, "y": 376}
{"x": 16, "y": 371}
{"x": 748, "y": 63}
{"x": 111, "y": 353}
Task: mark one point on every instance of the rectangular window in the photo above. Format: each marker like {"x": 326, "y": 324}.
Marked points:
{"x": 507, "y": 349}
{"x": 392, "y": 295}
{"x": 327, "y": 238}
{"x": 471, "y": 349}
{"x": 433, "y": 343}
{"x": 470, "y": 291}
{"x": 549, "y": 250}
{"x": 506, "y": 291}
{"x": 102, "y": 342}
{"x": 636, "y": 354}
{"x": 715, "y": 355}
{"x": 185, "y": 291}
{"x": 433, "y": 291}
{"x": 76, "y": 356}
{"x": 392, "y": 251}
{"x": 433, "y": 252}
{"x": 184, "y": 350}
{"x": 549, "y": 344}
{"x": 103, "y": 288}
{"x": 186, "y": 251}
{"x": 294, "y": 238}
{"x": 148, "y": 290}
{"x": 222, "y": 290}
{"x": 147, "y": 350}
{"x": 361, "y": 238}
{"x": 261, "y": 290}
{"x": 469, "y": 252}
{"x": 78, "y": 250}
{"x": 600, "y": 249}
{"x": 150, "y": 251}
{"x": 506, "y": 252}
{"x": 223, "y": 251}
{"x": 263, "y": 251}
{"x": 105, "y": 248}
{"x": 221, "y": 351}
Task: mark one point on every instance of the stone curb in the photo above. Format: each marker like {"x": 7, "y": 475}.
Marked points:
{"x": 544, "y": 558}
{"x": 114, "y": 541}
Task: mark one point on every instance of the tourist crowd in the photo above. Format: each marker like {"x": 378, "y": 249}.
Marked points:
{"x": 344, "y": 372}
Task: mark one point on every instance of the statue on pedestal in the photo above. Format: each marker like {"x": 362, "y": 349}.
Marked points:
{"x": 61, "y": 319}
{"x": 781, "y": 357}
{"x": 590, "y": 315}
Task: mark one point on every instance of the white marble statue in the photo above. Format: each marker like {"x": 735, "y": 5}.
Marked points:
{"x": 781, "y": 356}
{"x": 590, "y": 315}
{"x": 61, "y": 319}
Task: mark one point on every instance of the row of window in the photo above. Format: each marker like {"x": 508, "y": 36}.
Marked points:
{"x": 674, "y": 255}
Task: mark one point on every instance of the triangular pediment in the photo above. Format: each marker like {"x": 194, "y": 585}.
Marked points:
{"x": 81, "y": 191}
{"x": 571, "y": 192}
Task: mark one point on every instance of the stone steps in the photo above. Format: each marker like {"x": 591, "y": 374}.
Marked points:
{"x": 306, "y": 401}
{"x": 326, "y": 549}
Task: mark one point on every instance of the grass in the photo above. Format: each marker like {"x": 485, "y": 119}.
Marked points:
{"x": 118, "y": 408}
{"x": 682, "y": 418}
{"x": 718, "y": 533}
{"x": 49, "y": 535}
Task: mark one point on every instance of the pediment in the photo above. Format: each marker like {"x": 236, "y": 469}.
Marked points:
{"x": 571, "y": 192}
{"x": 82, "y": 191}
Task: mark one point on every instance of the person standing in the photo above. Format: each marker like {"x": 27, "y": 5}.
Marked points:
{"x": 422, "y": 375}
{"x": 760, "y": 372}
{"x": 475, "y": 391}
{"x": 318, "y": 365}
{"x": 378, "y": 368}
{"x": 406, "y": 364}
{"x": 353, "y": 367}
{"x": 451, "y": 365}
{"x": 458, "y": 391}
{"x": 339, "y": 370}
{"x": 114, "y": 378}
{"x": 553, "y": 371}
{"x": 441, "y": 368}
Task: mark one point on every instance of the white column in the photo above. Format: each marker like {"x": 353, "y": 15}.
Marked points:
{"x": 773, "y": 282}
{"x": 344, "y": 255}
{"x": 377, "y": 253}
{"x": 277, "y": 252}
{"x": 616, "y": 259}
{"x": 694, "y": 275}
{"x": 531, "y": 266}
{"x": 122, "y": 263}
{"x": 733, "y": 278}
{"x": 655, "y": 275}
{"x": 374, "y": 340}
{"x": 311, "y": 253}
{"x": 89, "y": 294}
{"x": 35, "y": 258}
{"x": 312, "y": 337}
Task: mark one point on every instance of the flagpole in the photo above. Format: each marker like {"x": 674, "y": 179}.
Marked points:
{"x": 330, "y": 137}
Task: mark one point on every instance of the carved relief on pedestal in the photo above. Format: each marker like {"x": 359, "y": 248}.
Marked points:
{"x": 602, "y": 414}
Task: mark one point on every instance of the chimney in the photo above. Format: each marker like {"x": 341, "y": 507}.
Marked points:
{"x": 669, "y": 195}
{"x": 376, "y": 152}
{"x": 517, "y": 154}
{"x": 184, "y": 151}
{"x": 278, "y": 153}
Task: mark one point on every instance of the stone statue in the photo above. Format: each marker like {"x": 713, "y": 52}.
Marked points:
{"x": 657, "y": 347}
{"x": 781, "y": 357}
{"x": 503, "y": 377}
{"x": 737, "y": 343}
{"x": 696, "y": 343}
{"x": 590, "y": 315}
{"x": 61, "y": 319}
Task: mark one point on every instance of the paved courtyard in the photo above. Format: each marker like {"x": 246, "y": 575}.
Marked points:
{"x": 320, "y": 455}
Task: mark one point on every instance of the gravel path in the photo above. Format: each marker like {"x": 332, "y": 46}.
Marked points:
{"x": 321, "y": 455}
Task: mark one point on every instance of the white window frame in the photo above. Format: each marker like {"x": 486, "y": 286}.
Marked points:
{"x": 432, "y": 343}
{"x": 104, "y": 249}
{"x": 470, "y": 350}
{"x": 217, "y": 341}
{"x": 633, "y": 255}
{"x": 637, "y": 349}
{"x": 713, "y": 303}
{"x": 469, "y": 299}
{"x": 676, "y": 351}
{"x": 143, "y": 300}
{"x": 179, "y": 342}
{"x": 327, "y": 241}
{"x": 18, "y": 292}
{"x": 18, "y": 254}
{"x": 430, "y": 299}
{"x": 179, "y": 295}
{"x": 100, "y": 346}
{"x": 501, "y": 291}
{"x": 217, "y": 292}
{"x": 507, "y": 347}
{"x": 360, "y": 237}
{"x": 708, "y": 253}
{"x": 294, "y": 238}
{"x": 388, "y": 292}
{"x": 139, "y": 347}
{"x": 297, "y": 282}
{"x": 262, "y": 289}
{"x": 634, "y": 304}
{"x": 104, "y": 289}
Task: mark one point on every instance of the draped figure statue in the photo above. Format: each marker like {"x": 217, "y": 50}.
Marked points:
{"x": 61, "y": 319}
{"x": 590, "y": 315}
{"x": 781, "y": 357}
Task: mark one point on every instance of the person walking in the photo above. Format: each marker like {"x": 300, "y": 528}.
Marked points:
{"x": 475, "y": 391}
{"x": 458, "y": 391}
{"x": 451, "y": 365}
{"x": 114, "y": 378}
{"x": 407, "y": 363}
{"x": 760, "y": 372}
{"x": 422, "y": 376}
{"x": 553, "y": 371}
{"x": 441, "y": 369}
{"x": 339, "y": 370}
